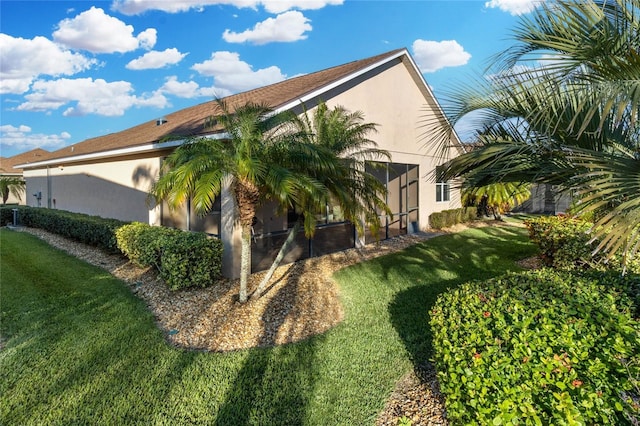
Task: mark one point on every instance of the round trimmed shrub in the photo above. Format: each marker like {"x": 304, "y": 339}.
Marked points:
{"x": 191, "y": 259}
{"x": 540, "y": 347}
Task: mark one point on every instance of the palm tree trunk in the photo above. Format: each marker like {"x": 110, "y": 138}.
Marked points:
{"x": 276, "y": 262}
{"x": 245, "y": 263}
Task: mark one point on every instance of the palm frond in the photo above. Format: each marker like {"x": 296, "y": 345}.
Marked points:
{"x": 611, "y": 184}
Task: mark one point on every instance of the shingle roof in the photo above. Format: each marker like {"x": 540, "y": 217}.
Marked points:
{"x": 191, "y": 121}
{"x": 7, "y": 163}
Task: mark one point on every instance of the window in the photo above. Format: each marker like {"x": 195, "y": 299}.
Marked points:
{"x": 442, "y": 187}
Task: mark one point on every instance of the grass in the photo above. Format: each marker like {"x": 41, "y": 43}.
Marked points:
{"x": 78, "y": 347}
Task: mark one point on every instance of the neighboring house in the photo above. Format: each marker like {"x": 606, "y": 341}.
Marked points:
{"x": 8, "y": 169}
{"x": 110, "y": 175}
{"x": 545, "y": 199}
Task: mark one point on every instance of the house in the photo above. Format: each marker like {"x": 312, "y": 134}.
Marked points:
{"x": 110, "y": 175}
{"x": 546, "y": 199}
{"x": 8, "y": 169}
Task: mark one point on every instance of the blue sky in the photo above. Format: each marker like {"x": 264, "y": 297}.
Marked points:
{"x": 72, "y": 70}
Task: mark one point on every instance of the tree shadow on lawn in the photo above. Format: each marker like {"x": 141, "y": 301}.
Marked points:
{"x": 274, "y": 385}
{"x": 442, "y": 263}
{"x": 91, "y": 359}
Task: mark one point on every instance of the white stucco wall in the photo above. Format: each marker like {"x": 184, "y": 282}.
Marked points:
{"x": 394, "y": 101}
{"x": 117, "y": 189}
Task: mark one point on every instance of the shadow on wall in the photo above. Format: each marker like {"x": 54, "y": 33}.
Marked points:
{"x": 83, "y": 193}
{"x": 143, "y": 177}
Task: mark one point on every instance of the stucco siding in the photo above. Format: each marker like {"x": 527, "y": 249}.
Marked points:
{"x": 117, "y": 189}
{"x": 392, "y": 100}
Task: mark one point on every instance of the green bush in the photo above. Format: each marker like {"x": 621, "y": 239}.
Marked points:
{"x": 563, "y": 241}
{"x": 566, "y": 243}
{"x": 541, "y": 347}
{"x": 184, "y": 259}
{"x": 191, "y": 260}
{"x": 143, "y": 243}
{"x": 447, "y": 218}
{"x": 6, "y": 214}
{"x": 93, "y": 230}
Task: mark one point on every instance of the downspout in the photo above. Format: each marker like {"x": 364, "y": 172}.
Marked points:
{"x": 386, "y": 200}
{"x": 48, "y": 187}
{"x": 189, "y": 214}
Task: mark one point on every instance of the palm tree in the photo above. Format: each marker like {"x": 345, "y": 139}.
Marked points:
{"x": 499, "y": 197}
{"x": 561, "y": 106}
{"x": 359, "y": 194}
{"x": 11, "y": 185}
{"x": 252, "y": 161}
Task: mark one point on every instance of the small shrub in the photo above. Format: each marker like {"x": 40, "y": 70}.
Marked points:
{"x": 541, "y": 347}
{"x": 184, "y": 259}
{"x": 447, "y": 218}
{"x": 566, "y": 243}
{"x": 563, "y": 241}
{"x": 191, "y": 260}
{"x": 143, "y": 244}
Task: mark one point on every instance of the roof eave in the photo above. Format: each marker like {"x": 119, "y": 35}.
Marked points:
{"x": 316, "y": 93}
{"x": 157, "y": 146}
{"x": 140, "y": 149}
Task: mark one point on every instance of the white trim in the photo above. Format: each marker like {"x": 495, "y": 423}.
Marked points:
{"x": 337, "y": 83}
{"x": 150, "y": 147}
{"x": 426, "y": 85}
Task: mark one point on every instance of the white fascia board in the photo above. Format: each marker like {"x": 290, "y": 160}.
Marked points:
{"x": 426, "y": 85}
{"x": 337, "y": 83}
{"x": 115, "y": 152}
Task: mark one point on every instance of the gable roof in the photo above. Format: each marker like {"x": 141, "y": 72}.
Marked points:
{"x": 191, "y": 121}
{"x": 7, "y": 164}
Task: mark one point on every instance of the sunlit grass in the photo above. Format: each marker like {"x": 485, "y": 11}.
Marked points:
{"x": 78, "y": 347}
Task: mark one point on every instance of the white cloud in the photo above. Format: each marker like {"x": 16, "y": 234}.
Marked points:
{"x": 232, "y": 75}
{"x": 286, "y": 27}
{"x": 514, "y": 7}
{"x": 434, "y": 55}
{"x": 87, "y": 96}
{"x": 279, "y": 6}
{"x": 172, "y": 86}
{"x": 156, "y": 59}
{"x": 22, "y": 138}
{"x": 23, "y": 60}
{"x": 97, "y": 32}
{"x": 191, "y": 89}
{"x": 148, "y": 38}
{"x": 136, "y": 7}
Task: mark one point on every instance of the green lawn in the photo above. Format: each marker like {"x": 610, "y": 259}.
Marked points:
{"x": 79, "y": 348}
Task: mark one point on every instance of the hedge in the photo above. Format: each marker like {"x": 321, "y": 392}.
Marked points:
{"x": 447, "y": 218}
{"x": 183, "y": 259}
{"x": 143, "y": 243}
{"x": 541, "y": 347}
{"x": 92, "y": 230}
{"x": 566, "y": 243}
